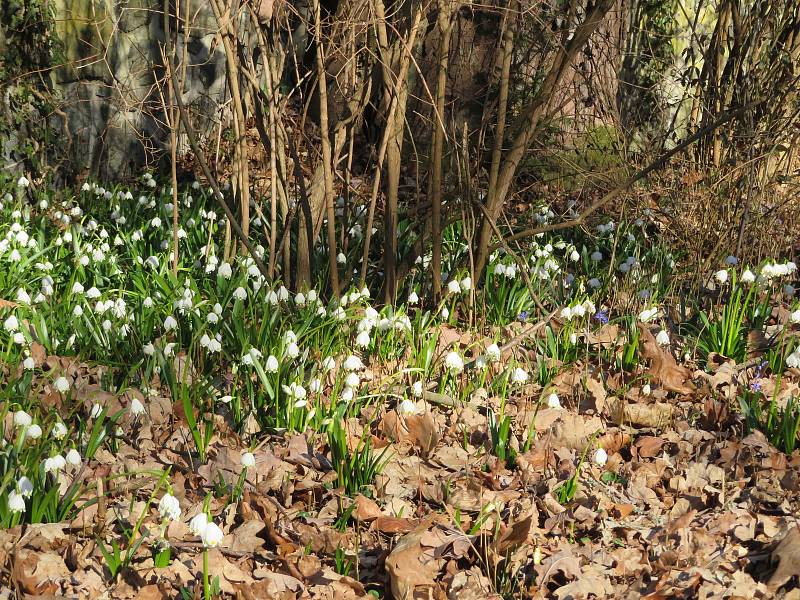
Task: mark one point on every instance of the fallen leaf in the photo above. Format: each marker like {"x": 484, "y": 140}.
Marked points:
{"x": 787, "y": 553}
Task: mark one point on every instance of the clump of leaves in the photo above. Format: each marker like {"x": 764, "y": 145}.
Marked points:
{"x": 500, "y": 431}
{"x": 355, "y": 469}
{"x": 779, "y": 425}
{"x": 726, "y": 333}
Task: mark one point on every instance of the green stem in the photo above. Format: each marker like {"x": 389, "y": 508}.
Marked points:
{"x": 206, "y": 590}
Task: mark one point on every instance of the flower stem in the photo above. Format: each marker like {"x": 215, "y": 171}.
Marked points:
{"x": 206, "y": 590}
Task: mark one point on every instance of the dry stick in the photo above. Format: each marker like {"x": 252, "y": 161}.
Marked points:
{"x": 405, "y": 63}
{"x": 240, "y": 126}
{"x": 505, "y": 76}
{"x": 201, "y": 159}
{"x": 327, "y": 167}
{"x": 656, "y": 164}
{"x": 445, "y": 29}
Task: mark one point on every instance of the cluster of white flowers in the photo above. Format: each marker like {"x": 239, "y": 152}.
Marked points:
{"x": 509, "y": 271}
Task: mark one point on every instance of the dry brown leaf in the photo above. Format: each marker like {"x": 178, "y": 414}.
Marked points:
{"x": 598, "y": 392}
{"x": 663, "y": 367}
{"x": 408, "y": 567}
{"x": 562, "y": 562}
{"x": 648, "y": 446}
{"x": 513, "y": 536}
{"x": 366, "y": 509}
{"x": 657, "y": 415}
{"x": 787, "y": 553}
{"x": 574, "y": 431}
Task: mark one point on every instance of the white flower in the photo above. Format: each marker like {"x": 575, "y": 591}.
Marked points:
{"x": 198, "y": 523}
{"x": 341, "y": 258}
{"x": 647, "y": 314}
{"x": 77, "y": 311}
{"x": 23, "y": 182}
{"x": 170, "y": 323}
{"x": 248, "y": 460}
{"x": 292, "y": 350}
{"x": 453, "y": 287}
{"x": 22, "y": 419}
{"x": 155, "y": 223}
{"x": 748, "y": 276}
{"x": 352, "y": 380}
{"x": 16, "y": 503}
{"x": 454, "y": 362}
{"x": 54, "y": 464}
{"x": 315, "y": 386}
{"x": 793, "y": 360}
{"x": 795, "y": 316}
{"x": 353, "y": 363}
{"x": 92, "y": 293}
{"x": 136, "y": 407}
{"x": 97, "y": 410}
{"x": 574, "y": 256}
{"x": 553, "y": 401}
{"x": 519, "y": 375}
{"x": 11, "y": 324}
{"x": 34, "y": 432}
{"x": 59, "y": 430}
{"x": 211, "y": 535}
{"x": 240, "y": 294}
{"x": 662, "y": 339}
{"x": 169, "y": 507}
{"x": 61, "y": 384}
{"x": 646, "y": 389}
{"x": 600, "y": 457}
{"x": 283, "y": 294}
{"x": 23, "y": 297}
{"x": 347, "y": 394}
{"x": 413, "y": 298}
{"x": 271, "y": 365}
{"x": 416, "y": 389}
{"x": 721, "y": 275}
{"x": 566, "y": 313}
{"x": 328, "y": 363}
{"x": 466, "y": 284}
{"x": 492, "y": 353}
{"x": 73, "y": 457}
{"x": 225, "y": 271}
{"x": 149, "y": 349}
{"x": 300, "y": 299}
{"x": 25, "y": 487}
{"x": 363, "y": 339}
{"x": 445, "y": 313}
{"x": 225, "y": 399}
{"x": 77, "y": 288}
{"x": 499, "y": 269}
{"x": 407, "y": 407}
{"x": 147, "y": 302}
{"x": 28, "y": 364}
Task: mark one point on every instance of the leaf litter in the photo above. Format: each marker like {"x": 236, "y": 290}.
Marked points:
{"x": 684, "y": 506}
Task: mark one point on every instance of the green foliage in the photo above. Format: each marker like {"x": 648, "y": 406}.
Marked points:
{"x": 779, "y": 425}
{"x": 343, "y": 564}
{"x": 726, "y": 333}
{"x": 500, "y": 433}
{"x": 356, "y": 469}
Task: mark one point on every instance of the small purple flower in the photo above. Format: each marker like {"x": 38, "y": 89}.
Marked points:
{"x": 601, "y": 316}
{"x": 755, "y": 385}
{"x": 760, "y": 369}
{"x": 523, "y": 316}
